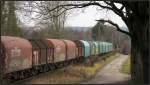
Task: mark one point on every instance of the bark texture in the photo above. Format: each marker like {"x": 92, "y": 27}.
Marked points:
{"x": 139, "y": 28}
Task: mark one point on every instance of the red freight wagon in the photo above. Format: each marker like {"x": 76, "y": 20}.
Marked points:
{"x": 71, "y": 49}
{"x": 18, "y": 53}
{"x": 59, "y": 53}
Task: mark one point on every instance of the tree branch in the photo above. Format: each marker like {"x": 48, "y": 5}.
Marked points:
{"x": 111, "y": 6}
{"x": 114, "y": 24}
{"x": 122, "y": 7}
{"x": 115, "y": 9}
{"x": 82, "y": 5}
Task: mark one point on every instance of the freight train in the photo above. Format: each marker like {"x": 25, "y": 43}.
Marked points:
{"x": 23, "y": 58}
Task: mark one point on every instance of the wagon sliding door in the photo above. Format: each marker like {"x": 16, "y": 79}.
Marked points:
{"x": 35, "y": 53}
{"x": 42, "y": 57}
{"x": 49, "y": 51}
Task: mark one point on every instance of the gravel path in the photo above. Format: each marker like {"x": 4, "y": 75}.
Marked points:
{"x": 111, "y": 74}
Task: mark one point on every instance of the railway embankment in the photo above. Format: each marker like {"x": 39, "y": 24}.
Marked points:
{"x": 71, "y": 74}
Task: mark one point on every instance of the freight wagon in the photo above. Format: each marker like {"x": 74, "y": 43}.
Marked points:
{"x": 22, "y": 58}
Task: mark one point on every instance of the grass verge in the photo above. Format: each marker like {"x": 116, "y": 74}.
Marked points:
{"x": 73, "y": 74}
{"x": 126, "y": 66}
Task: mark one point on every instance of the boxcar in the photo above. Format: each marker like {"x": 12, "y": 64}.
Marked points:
{"x": 106, "y": 47}
{"x": 18, "y": 54}
{"x": 104, "y": 44}
{"x": 83, "y": 48}
{"x": 92, "y": 48}
{"x": 111, "y": 46}
{"x": 59, "y": 50}
{"x": 96, "y": 48}
{"x": 101, "y": 47}
{"x": 71, "y": 49}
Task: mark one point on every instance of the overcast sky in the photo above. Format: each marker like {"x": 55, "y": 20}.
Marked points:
{"x": 90, "y": 14}
{"x": 88, "y": 17}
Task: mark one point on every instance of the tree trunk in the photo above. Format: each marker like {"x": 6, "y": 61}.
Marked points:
{"x": 1, "y": 46}
{"x": 139, "y": 50}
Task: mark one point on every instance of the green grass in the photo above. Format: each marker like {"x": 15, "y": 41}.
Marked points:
{"x": 126, "y": 67}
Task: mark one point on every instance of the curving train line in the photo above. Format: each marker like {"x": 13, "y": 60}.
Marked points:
{"x": 22, "y": 58}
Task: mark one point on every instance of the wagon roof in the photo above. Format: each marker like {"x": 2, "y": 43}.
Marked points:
{"x": 10, "y": 42}
{"x": 96, "y": 43}
{"x": 69, "y": 42}
{"x": 85, "y": 43}
{"x": 56, "y": 42}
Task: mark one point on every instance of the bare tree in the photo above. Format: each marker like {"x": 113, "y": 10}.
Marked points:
{"x": 136, "y": 17}
{"x": 54, "y": 20}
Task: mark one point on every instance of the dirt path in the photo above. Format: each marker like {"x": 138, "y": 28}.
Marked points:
{"x": 111, "y": 74}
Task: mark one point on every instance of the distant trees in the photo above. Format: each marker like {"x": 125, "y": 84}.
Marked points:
{"x": 102, "y": 32}
{"x": 77, "y": 34}
{"x": 9, "y": 22}
{"x": 98, "y": 31}
{"x": 53, "y": 22}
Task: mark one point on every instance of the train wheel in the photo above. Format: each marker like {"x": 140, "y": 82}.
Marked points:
{"x": 26, "y": 74}
{"x": 78, "y": 60}
{"x": 22, "y": 74}
{"x": 59, "y": 65}
{"x": 42, "y": 69}
{"x": 53, "y": 66}
{"x": 16, "y": 76}
{"x": 45, "y": 68}
{"x": 33, "y": 72}
{"x": 30, "y": 72}
{"x": 49, "y": 67}
{"x": 65, "y": 64}
{"x": 36, "y": 71}
{"x": 74, "y": 61}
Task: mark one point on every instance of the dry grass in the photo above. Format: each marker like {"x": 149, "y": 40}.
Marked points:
{"x": 126, "y": 66}
{"x": 72, "y": 74}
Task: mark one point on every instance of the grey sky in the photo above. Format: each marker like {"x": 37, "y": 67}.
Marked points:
{"x": 90, "y": 14}
{"x": 86, "y": 18}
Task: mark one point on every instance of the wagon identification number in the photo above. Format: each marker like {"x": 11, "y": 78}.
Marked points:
{"x": 16, "y": 52}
